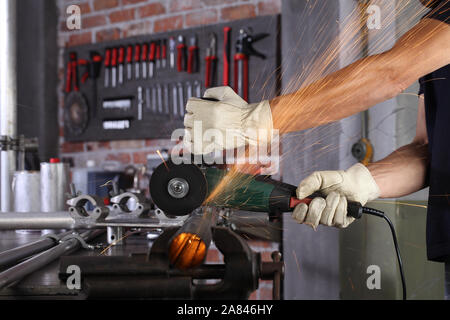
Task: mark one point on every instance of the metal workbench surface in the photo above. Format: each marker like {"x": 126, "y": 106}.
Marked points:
{"x": 45, "y": 283}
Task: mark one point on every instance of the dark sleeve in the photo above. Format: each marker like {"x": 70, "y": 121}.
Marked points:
{"x": 441, "y": 12}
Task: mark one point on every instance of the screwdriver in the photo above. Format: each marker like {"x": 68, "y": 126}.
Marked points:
{"x": 121, "y": 61}
{"x": 114, "y": 67}
{"x": 144, "y": 60}
{"x": 137, "y": 58}
{"x": 107, "y": 65}
{"x": 129, "y": 62}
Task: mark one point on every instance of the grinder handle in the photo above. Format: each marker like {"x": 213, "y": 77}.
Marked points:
{"x": 354, "y": 209}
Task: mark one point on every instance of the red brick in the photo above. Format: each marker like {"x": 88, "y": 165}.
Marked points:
{"x": 107, "y": 35}
{"x": 84, "y": 7}
{"x": 79, "y": 39}
{"x": 239, "y": 12}
{"x": 127, "y": 144}
{"x": 95, "y": 146}
{"x": 202, "y": 18}
{"x": 93, "y": 21}
{"x": 162, "y": 143}
{"x": 168, "y": 24}
{"x": 137, "y": 29}
{"x": 122, "y": 15}
{"x": 127, "y": 2}
{"x": 269, "y": 7}
{"x": 151, "y": 9}
{"x": 184, "y": 5}
{"x": 124, "y": 158}
{"x": 262, "y": 244}
{"x": 217, "y": 2}
{"x": 70, "y": 147}
{"x": 105, "y": 4}
{"x": 140, "y": 157}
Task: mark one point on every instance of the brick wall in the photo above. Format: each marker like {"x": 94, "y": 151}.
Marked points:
{"x": 105, "y": 20}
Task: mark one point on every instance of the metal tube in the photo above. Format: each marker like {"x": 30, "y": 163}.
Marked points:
{"x": 37, "y": 220}
{"x": 8, "y": 97}
{"x": 33, "y": 264}
{"x": 10, "y": 257}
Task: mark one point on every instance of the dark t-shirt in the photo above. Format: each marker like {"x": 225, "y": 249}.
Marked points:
{"x": 436, "y": 89}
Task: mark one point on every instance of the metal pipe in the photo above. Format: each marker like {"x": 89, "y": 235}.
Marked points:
{"x": 12, "y": 256}
{"x": 37, "y": 220}
{"x": 8, "y": 96}
{"x": 33, "y": 264}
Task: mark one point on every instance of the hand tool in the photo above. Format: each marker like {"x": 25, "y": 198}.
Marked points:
{"x": 164, "y": 53}
{"x": 211, "y": 62}
{"x": 76, "y": 113}
{"x": 158, "y": 54}
{"x": 120, "y": 124}
{"x": 172, "y": 47}
{"x": 244, "y": 49}
{"x": 226, "y": 55}
{"x": 107, "y": 64}
{"x": 175, "y": 100}
{"x": 160, "y": 99}
{"x": 140, "y": 102}
{"x": 121, "y": 62}
{"x": 154, "y": 100}
{"x": 94, "y": 72}
{"x": 180, "y": 189}
{"x": 122, "y": 104}
{"x": 144, "y": 60}
{"x": 181, "y": 98}
{"x": 137, "y": 60}
{"x": 152, "y": 56}
{"x": 188, "y": 90}
{"x": 72, "y": 73}
{"x": 181, "y": 54}
{"x": 114, "y": 67}
{"x": 197, "y": 89}
{"x": 166, "y": 99}
{"x": 129, "y": 62}
{"x": 193, "y": 60}
{"x": 147, "y": 99}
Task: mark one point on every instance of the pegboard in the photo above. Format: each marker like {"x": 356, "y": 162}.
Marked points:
{"x": 162, "y": 110}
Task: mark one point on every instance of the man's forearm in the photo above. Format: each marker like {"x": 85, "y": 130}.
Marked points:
{"x": 403, "y": 172}
{"x": 366, "y": 82}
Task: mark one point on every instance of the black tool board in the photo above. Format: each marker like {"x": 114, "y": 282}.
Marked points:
{"x": 156, "y": 122}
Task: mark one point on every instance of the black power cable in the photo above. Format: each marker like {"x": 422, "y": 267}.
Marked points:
{"x": 381, "y": 214}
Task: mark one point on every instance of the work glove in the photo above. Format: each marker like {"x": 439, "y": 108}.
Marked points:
{"x": 229, "y": 115}
{"x": 354, "y": 184}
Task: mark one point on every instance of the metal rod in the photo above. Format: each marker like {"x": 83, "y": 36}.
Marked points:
{"x": 12, "y": 256}
{"x": 36, "y": 220}
{"x": 33, "y": 264}
{"x": 8, "y": 97}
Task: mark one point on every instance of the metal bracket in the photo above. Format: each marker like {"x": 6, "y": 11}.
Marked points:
{"x": 120, "y": 204}
{"x": 77, "y": 207}
{"x": 83, "y": 243}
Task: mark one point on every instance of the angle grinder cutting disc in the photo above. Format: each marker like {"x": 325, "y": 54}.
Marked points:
{"x": 178, "y": 189}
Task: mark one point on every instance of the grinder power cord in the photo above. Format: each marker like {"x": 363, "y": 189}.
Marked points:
{"x": 180, "y": 189}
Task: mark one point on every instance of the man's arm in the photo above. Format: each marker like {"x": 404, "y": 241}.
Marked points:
{"x": 404, "y": 171}
{"x": 401, "y": 173}
{"x": 366, "y": 82}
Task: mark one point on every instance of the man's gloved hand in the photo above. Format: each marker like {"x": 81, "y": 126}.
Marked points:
{"x": 354, "y": 184}
{"x": 230, "y": 113}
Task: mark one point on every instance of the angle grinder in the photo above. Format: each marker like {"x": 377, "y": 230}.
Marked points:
{"x": 179, "y": 189}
